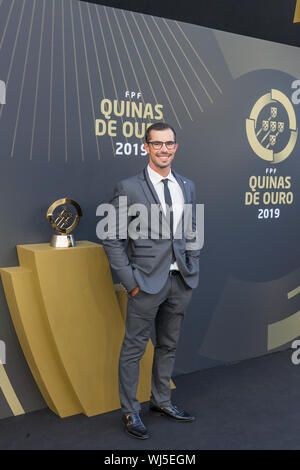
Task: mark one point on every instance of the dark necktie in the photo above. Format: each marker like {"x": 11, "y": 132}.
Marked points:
{"x": 168, "y": 200}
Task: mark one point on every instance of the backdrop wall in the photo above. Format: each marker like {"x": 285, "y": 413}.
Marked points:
{"x": 69, "y": 128}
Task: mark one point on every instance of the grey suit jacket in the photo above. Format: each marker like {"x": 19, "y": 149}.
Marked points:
{"x": 146, "y": 262}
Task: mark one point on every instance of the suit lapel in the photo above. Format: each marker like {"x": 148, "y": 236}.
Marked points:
{"x": 148, "y": 187}
{"x": 150, "y": 191}
{"x": 182, "y": 184}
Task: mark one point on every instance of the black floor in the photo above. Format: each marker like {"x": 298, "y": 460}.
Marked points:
{"x": 254, "y": 404}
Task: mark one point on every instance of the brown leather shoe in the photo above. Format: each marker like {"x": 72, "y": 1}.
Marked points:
{"x": 134, "y": 426}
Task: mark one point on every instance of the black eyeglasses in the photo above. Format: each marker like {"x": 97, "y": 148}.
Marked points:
{"x": 158, "y": 145}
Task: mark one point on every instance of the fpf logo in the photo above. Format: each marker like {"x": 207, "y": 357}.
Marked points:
{"x": 271, "y": 118}
{"x": 2, "y": 92}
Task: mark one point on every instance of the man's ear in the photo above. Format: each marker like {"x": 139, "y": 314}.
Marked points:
{"x": 146, "y": 147}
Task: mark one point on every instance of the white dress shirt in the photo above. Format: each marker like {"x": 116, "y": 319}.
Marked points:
{"x": 176, "y": 196}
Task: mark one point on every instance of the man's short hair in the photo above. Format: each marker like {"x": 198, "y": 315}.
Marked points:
{"x": 159, "y": 126}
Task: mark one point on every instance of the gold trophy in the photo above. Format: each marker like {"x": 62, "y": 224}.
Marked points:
{"x": 63, "y": 219}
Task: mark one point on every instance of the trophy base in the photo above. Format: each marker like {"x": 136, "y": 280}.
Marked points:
{"x": 62, "y": 241}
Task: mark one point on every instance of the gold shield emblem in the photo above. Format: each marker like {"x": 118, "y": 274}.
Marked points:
{"x": 273, "y": 112}
{"x": 265, "y": 126}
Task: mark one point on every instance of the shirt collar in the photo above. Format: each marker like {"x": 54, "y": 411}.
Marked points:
{"x": 156, "y": 177}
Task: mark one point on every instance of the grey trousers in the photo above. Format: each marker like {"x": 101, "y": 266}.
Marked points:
{"x": 166, "y": 309}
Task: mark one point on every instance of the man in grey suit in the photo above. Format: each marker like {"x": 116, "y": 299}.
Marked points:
{"x": 158, "y": 274}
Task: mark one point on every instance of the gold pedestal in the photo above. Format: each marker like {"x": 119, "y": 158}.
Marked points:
{"x": 70, "y": 324}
